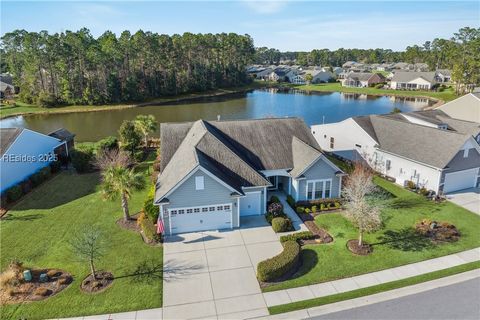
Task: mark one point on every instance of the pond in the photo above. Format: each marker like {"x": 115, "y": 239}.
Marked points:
{"x": 313, "y": 107}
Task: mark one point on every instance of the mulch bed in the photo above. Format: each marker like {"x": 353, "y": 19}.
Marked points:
{"x": 438, "y": 232}
{"x": 321, "y": 235}
{"x": 129, "y": 224}
{"x": 102, "y": 281}
{"x": 363, "y": 250}
{"x": 36, "y": 290}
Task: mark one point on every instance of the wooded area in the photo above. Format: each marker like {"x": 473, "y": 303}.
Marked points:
{"x": 77, "y": 68}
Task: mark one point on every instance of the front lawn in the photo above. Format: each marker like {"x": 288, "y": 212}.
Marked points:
{"x": 394, "y": 245}
{"x": 38, "y": 229}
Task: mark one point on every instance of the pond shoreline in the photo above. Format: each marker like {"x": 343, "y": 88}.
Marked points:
{"x": 217, "y": 93}
{"x": 165, "y": 101}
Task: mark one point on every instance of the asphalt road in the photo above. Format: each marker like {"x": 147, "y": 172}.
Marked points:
{"x": 457, "y": 301}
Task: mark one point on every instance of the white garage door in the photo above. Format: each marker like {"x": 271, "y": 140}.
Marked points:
{"x": 460, "y": 180}
{"x": 213, "y": 217}
{"x": 251, "y": 204}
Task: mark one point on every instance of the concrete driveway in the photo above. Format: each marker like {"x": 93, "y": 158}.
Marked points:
{"x": 468, "y": 198}
{"x": 212, "y": 274}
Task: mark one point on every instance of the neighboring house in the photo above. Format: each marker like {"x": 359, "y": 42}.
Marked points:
{"x": 427, "y": 147}
{"x": 279, "y": 74}
{"x": 215, "y": 172}
{"x": 6, "y": 90}
{"x": 400, "y": 66}
{"x": 443, "y": 75}
{"x": 264, "y": 74}
{"x": 465, "y": 108}
{"x": 337, "y": 71}
{"x": 421, "y": 67}
{"x": 411, "y": 80}
{"x": 352, "y": 64}
{"x": 24, "y": 152}
{"x": 362, "y": 79}
{"x": 385, "y": 67}
{"x": 317, "y": 77}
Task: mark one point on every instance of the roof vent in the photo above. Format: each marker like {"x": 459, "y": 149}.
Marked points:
{"x": 218, "y": 117}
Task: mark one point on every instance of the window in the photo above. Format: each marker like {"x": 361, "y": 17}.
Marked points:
{"x": 465, "y": 153}
{"x": 332, "y": 142}
{"x": 199, "y": 183}
{"x": 181, "y": 211}
{"x": 388, "y": 164}
{"x": 211, "y": 209}
{"x": 358, "y": 145}
{"x": 220, "y": 208}
{"x": 318, "y": 189}
{"x": 226, "y": 207}
{"x": 189, "y": 210}
{"x": 173, "y": 212}
{"x": 205, "y": 209}
{"x": 196, "y": 210}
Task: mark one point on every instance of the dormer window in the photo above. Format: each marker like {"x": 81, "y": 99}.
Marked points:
{"x": 199, "y": 183}
{"x": 443, "y": 126}
{"x": 465, "y": 153}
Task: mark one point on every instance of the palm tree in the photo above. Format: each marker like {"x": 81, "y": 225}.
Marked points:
{"x": 145, "y": 124}
{"x": 119, "y": 179}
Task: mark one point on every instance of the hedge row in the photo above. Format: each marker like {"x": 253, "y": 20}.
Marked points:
{"x": 303, "y": 235}
{"x": 148, "y": 228}
{"x": 14, "y": 193}
{"x": 283, "y": 263}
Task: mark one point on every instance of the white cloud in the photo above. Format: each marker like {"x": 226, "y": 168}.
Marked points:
{"x": 265, "y": 6}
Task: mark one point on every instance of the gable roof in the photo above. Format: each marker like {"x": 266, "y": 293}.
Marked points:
{"x": 407, "y": 76}
{"x": 428, "y": 145}
{"x": 234, "y": 151}
{"x": 303, "y": 156}
{"x": 466, "y": 107}
{"x": 7, "y": 137}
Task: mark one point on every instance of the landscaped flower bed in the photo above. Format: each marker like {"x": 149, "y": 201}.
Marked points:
{"x": 275, "y": 216}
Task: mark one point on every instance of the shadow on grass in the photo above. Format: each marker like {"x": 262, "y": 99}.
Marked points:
{"x": 61, "y": 189}
{"x": 408, "y": 202}
{"x": 405, "y": 239}
{"x": 309, "y": 261}
{"x": 27, "y": 217}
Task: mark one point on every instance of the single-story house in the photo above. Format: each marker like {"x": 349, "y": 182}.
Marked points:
{"x": 466, "y": 107}
{"x": 443, "y": 75}
{"x": 24, "y": 152}
{"x": 429, "y": 148}
{"x": 352, "y": 64}
{"x": 318, "y": 76}
{"x": 213, "y": 173}
{"x": 263, "y": 74}
{"x": 362, "y": 79}
{"x": 411, "y": 80}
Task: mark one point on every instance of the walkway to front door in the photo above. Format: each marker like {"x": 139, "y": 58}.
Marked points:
{"x": 212, "y": 273}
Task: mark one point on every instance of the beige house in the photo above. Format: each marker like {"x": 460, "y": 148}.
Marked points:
{"x": 465, "y": 108}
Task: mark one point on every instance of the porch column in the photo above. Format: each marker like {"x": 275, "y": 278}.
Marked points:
{"x": 265, "y": 198}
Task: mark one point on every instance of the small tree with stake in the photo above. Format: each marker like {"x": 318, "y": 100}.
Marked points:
{"x": 89, "y": 245}
{"x": 364, "y": 216}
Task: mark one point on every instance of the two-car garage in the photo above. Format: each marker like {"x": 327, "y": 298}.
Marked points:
{"x": 212, "y": 217}
{"x": 460, "y": 180}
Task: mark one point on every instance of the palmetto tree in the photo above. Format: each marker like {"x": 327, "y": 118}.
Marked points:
{"x": 145, "y": 124}
{"x": 119, "y": 180}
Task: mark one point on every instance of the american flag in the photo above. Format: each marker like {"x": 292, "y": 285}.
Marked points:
{"x": 160, "y": 226}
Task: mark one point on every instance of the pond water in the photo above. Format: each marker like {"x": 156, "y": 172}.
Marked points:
{"x": 314, "y": 108}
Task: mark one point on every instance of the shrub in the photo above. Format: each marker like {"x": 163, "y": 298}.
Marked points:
{"x": 149, "y": 208}
{"x": 82, "y": 159}
{"x": 423, "y": 191}
{"x": 379, "y": 85}
{"x": 274, "y": 199}
{"x": 148, "y": 228}
{"x": 410, "y": 184}
{"x": 154, "y": 176}
{"x": 291, "y": 201}
{"x": 322, "y": 206}
{"x": 281, "y": 264}
{"x": 14, "y": 193}
{"x": 314, "y": 209}
{"x": 269, "y": 216}
{"x": 46, "y": 173}
{"x": 307, "y": 210}
{"x": 55, "y": 166}
{"x": 41, "y": 291}
{"x": 303, "y": 235}
{"x": 36, "y": 179}
{"x": 275, "y": 208}
{"x": 300, "y": 209}
{"x": 280, "y": 224}
{"x": 108, "y": 143}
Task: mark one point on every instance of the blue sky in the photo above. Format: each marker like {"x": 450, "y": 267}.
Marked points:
{"x": 286, "y": 25}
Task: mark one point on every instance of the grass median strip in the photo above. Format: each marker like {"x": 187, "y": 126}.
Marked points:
{"x": 373, "y": 289}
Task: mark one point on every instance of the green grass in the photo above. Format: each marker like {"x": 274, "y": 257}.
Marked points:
{"x": 394, "y": 245}
{"x": 446, "y": 95}
{"x": 374, "y": 289}
{"x": 37, "y": 231}
{"x": 20, "y": 108}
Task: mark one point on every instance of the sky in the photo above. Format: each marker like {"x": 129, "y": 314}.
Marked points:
{"x": 285, "y": 25}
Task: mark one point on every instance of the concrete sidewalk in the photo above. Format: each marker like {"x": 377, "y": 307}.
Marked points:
{"x": 321, "y": 290}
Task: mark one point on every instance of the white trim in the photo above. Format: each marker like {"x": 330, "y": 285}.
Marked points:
{"x": 191, "y": 173}
{"x": 290, "y": 185}
{"x": 264, "y": 199}
{"x": 278, "y": 172}
{"x": 169, "y": 221}
{"x": 314, "y": 181}
{"x": 339, "y": 186}
{"x": 238, "y": 210}
{"x": 324, "y": 158}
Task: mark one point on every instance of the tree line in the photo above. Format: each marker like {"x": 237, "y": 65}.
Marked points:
{"x": 77, "y": 68}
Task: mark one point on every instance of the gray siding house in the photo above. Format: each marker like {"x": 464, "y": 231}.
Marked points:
{"x": 215, "y": 172}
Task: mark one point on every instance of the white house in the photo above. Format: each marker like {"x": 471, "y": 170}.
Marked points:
{"x": 318, "y": 76}
{"x": 444, "y": 75}
{"x": 24, "y": 152}
{"x": 410, "y": 80}
{"x": 466, "y": 107}
{"x": 429, "y": 148}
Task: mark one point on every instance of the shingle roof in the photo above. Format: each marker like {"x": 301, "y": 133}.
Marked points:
{"x": 360, "y": 76}
{"x": 406, "y": 76}
{"x": 7, "y": 137}
{"x": 234, "y": 151}
{"x": 62, "y": 134}
{"x": 424, "y": 144}
{"x": 303, "y": 156}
